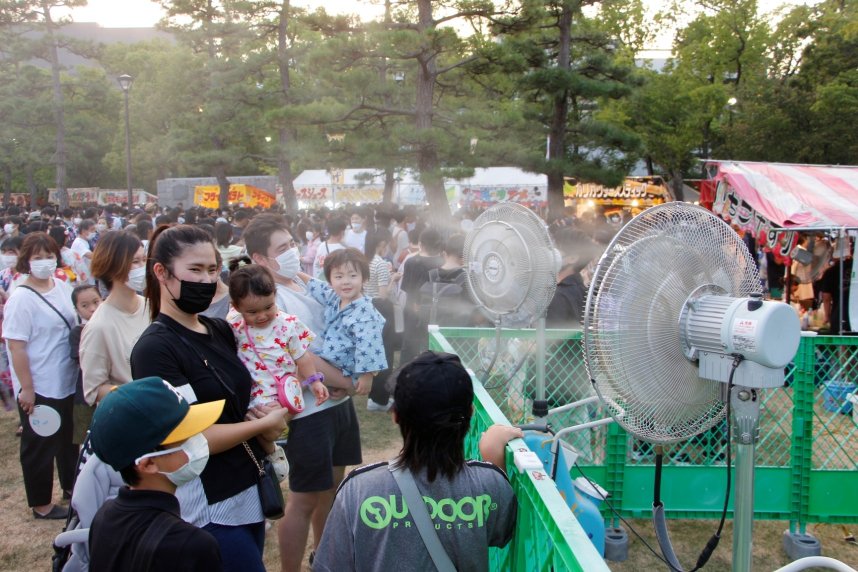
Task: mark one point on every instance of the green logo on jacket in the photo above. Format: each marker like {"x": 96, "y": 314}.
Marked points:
{"x": 379, "y": 512}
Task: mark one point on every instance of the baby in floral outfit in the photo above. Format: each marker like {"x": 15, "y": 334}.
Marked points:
{"x": 272, "y": 345}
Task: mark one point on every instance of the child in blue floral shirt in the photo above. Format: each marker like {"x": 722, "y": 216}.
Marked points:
{"x": 352, "y": 337}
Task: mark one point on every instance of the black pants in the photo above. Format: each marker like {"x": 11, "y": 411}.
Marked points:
{"x": 380, "y": 393}
{"x": 38, "y": 453}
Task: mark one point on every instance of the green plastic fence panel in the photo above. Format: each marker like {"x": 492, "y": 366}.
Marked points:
{"x": 771, "y": 492}
{"x": 802, "y": 441}
{"x": 832, "y": 466}
{"x": 548, "y": 537}
{"x": 806, "y": 455}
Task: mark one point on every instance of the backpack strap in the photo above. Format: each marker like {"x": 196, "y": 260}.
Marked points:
{"x": 417, "y": 509}
{"x": 151, "y": 539}
{"x": 434, "y": 280}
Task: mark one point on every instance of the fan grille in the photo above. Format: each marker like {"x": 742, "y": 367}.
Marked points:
{"x": 511, "y": 264}
{"x": 632, "y": 345}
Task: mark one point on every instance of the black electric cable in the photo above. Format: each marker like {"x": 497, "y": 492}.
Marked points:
{"x": 712, "y": 544}
{"x": 619, "y": 516}
{"x": 658, "y": 510}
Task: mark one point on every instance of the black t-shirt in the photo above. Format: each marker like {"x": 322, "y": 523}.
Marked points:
{"x": 120, "y": 524}
{"x": 566, "y": 309}
{"x": 161, "y": 352}
{"x": 415, "y": 274}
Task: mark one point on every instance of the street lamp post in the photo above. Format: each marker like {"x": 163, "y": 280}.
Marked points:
{"x": 125, "y": 82}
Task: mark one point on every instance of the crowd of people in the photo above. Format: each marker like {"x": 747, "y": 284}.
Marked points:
{"x": 267, "y": 324}
{"x": 260, "y": 325}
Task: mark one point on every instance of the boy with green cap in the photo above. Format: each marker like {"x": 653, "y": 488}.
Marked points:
{"x": 148, "y": 432}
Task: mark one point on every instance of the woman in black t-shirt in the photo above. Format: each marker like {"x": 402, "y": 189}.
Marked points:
{"x": 198, "y": 356}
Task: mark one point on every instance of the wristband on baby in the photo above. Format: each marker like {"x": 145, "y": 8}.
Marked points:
{"x": 318, "y": 376}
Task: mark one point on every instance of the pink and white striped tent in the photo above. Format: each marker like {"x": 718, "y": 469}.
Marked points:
{"x": 788, "y": 195}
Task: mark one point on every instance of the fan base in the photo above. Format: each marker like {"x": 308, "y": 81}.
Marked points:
{"x": 797, "y": 545}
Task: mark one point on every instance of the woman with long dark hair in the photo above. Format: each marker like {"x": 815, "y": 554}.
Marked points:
{"x": 198, "y": 356}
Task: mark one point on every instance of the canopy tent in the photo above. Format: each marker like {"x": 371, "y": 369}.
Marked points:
{"x": 789, "y": 196}
{"x": 775, "y": 200}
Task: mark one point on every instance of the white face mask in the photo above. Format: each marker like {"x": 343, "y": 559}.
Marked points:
{"x": 43, "y": 269}
{"x": 137, "y": 279}
{"x": 77, "y": 221}
{"x": 289, "y": 263}
{"x": 356, "y": 226}
{"x": 8, "y": 228}
{"x": 309, "y": 235}
{"x": 197, "y": 450}
{"x": 9, "y": 260}
{"x": 100, "y": 227}
{"x": 411, "y": 226}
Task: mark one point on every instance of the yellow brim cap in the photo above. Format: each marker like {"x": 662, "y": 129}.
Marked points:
{"x": 200, "y": 417}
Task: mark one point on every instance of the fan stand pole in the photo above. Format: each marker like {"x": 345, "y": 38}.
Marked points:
{"x": 745, "y": 403}
{"x": 540, "y": 359}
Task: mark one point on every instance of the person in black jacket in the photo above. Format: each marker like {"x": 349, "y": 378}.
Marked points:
{"x": 148, "y": 432}
{"x": 566, "y": 378}
{"x": 566, "y": 309}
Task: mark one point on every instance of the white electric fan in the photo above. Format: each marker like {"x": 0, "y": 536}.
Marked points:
{"x": 511, "y": 267}
{"x": 676, "y": 333}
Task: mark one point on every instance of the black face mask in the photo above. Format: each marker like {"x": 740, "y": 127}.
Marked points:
{"x": 195, "y": 297}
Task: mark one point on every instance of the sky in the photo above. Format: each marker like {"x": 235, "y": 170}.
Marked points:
{"x": 145, "y": 13}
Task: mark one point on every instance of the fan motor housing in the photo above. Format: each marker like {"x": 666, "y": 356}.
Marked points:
{"x": 714, "y": 328}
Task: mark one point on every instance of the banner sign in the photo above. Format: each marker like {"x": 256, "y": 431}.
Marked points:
{"x": 486, "y": 195}
{"x": 208, "y": 196}
{"x": 119, "y": 197}
{"x": 729, "y": 206}
{"x": 98, "y": 196}
{"x": 341, "y": 194}
{"x": 647, "y": 193}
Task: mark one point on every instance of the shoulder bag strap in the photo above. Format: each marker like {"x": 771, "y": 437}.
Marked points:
{"x": 151, "y": 539}
{"x": 45, "y": 300}
{"x": 417, "y": 507}
{"x": 206, "y": 363}
{"x": 233, "y": 402}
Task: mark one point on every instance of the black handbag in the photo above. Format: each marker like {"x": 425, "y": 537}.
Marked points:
{"x": 270, "y": 493}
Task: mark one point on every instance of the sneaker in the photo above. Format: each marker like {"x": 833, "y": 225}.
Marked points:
{"x": 279, "y": 462}
{"x": 373, "y": 406}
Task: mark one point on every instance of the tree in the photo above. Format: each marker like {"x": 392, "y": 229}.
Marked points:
{"x": 417, "y": 47}
{"x": 28, "y": 128}
{"x": 220, "y": 137}
{"x": 38, "y": 16}
{"x": 566, "y": 67}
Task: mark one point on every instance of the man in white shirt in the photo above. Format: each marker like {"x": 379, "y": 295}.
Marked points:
{"x": 355, "y": 236}
{"x": 80, "y": 245}
{"x": 336, "y": 229}
{"x": 323, "y": 439}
